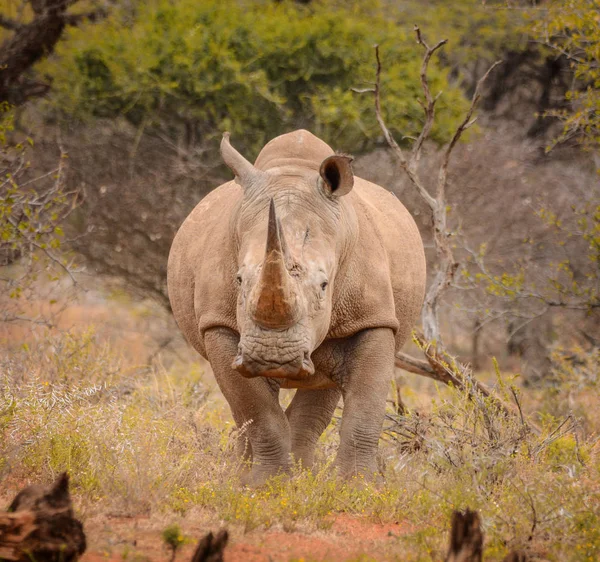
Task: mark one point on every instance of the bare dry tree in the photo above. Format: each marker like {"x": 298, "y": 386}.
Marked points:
{"x": 433, "y": 196}
{"x": 438, "y": 364}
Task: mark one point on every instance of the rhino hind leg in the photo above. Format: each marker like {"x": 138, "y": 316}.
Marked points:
{"x": 364, "y": 373}
{"x": 255, "y": 407}
{"x": 309, "y": 414}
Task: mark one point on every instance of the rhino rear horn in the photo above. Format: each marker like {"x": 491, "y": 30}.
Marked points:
{"x": 337, "y": 178}
{"x": 245, "y": 173}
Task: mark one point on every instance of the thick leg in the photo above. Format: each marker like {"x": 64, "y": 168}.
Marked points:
{"x": 367, "y": 368}
{"x": 254, "y": 402}
{"x": 309, "y": 414}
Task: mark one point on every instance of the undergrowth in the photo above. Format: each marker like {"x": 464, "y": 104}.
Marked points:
{"x": 147, "y": 439}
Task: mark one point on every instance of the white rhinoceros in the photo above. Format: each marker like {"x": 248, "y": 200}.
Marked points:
{"x": 299, "y": 275}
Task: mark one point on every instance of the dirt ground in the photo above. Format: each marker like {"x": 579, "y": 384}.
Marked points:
{"x": 114, "y": 537}
{"x": 348, "y": 538}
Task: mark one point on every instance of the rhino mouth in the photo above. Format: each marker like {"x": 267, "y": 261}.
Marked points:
{"x": 250, "y": 366}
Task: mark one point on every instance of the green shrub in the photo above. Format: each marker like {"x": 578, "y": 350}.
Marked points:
{"x": 256, "y": 69}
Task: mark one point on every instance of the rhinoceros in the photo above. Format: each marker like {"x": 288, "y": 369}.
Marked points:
{"x": 297, "y": 274}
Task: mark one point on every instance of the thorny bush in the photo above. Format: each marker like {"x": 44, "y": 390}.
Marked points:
{"x": 32, "y": 212}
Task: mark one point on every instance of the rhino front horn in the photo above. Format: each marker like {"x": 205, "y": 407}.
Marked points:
{"x": 276, "y": 302}
{"x": 245, "y": 173}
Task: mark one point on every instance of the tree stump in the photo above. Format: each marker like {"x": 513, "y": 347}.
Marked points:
{"x": 466, "y": 537}
{"x": 40, "y": 525}
{"x": 210, "y": 548}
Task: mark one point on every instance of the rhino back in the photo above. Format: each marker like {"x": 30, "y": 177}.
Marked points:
{"x": 202, "y": 266}
{"x": 383, "y": 283}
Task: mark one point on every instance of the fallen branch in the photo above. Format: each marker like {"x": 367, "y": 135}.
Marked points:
{"x": 441, "y": 367}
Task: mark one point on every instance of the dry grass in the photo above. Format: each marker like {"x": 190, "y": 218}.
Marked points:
{"x": 141, "y": 437}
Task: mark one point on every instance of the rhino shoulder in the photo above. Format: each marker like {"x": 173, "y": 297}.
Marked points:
{"x": 383, "y": 282}
{"x": 202, "y": 266}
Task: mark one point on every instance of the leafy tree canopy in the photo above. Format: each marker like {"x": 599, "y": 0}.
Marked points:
{"x": 478, "y": 31}
{"x": 254, "y": 68}
{"x": 572, "y": 29}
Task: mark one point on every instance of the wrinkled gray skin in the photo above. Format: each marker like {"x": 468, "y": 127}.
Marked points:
{"x": 299, "y": 275}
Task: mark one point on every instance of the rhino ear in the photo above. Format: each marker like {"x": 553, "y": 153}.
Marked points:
{"x": 337, "y": 178}
{"x": 245, "y": 173}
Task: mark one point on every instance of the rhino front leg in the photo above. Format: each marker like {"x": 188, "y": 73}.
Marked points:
{"x": 309, "y": 414}
{"x": 254, "y": 402}
{"x": 367, "y": 368}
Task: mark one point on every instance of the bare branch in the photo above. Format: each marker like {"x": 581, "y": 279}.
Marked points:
{"x": 442, "y": 367}
{"x": 466, "y": 123}
{"x": 386, "y": 132}
{"x": 447, "y": 266}
{"x": 429, "y": 106}
{"x": 8, "y": 23}
{"x": 405, "y": 165}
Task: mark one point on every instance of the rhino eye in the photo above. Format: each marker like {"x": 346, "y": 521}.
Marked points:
{"x": 238, "y": 279}
{"x": 324, "y": 285}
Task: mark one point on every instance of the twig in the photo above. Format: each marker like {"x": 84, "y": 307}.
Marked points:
{"x": 8, "y": 23}
{"x": 518, "y": 403}
{"x": 429, "y": 107}
{"x": 410, "y": 171}
{"x": 467, "y": 122}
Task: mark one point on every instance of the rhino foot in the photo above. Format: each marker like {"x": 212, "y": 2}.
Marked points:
{"x": 260, "y": 474}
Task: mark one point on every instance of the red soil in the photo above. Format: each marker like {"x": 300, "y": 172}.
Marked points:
{"x": 117, "y": 539}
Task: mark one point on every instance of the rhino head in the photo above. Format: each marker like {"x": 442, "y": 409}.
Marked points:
{"x": 291, "y": 234}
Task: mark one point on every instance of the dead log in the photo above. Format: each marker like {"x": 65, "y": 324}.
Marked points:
{"x": 211, "y": 548}
{"x": 40, "y": 525}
